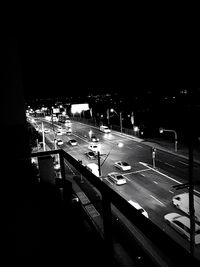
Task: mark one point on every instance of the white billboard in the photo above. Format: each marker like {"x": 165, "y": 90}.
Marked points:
{"x": 56, "y": 110}
{"x": 78, "y": 108}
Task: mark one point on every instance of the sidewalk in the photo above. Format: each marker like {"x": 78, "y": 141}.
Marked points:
{"x": 167, "y": 146}
{"x": 182, "y": 151}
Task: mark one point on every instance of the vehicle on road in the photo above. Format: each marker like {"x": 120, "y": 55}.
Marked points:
{"x": 182, "y": 225}
{"x": 122, "y": 165}
{"x": 46, "y": 130}
{"x": 91, "y": 155}
{"x": 64, "y": 131}
{"x": 59, "y": 132}
{"x": 68, "y": 122}
{"x": 94, "y": 139}
{"x": 94, "y": 148}
{"x": 139, "y": 208}
{"x": 59, "y": 142}
{"x": 104, "y": 129}
{"x": 69, "y": 131}
{"x": 73, "y": 142}
{"x": 94, "y": 168}
{"x": 117, "y": 178}
{"x": 181, "y": 202}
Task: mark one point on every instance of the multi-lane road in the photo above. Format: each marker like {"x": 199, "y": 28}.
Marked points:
{"x": 151, "y": 187}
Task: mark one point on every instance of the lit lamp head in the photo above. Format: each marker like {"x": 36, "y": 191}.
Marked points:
{"x": 120, "y": 144}
{"x": 161, "y": 130}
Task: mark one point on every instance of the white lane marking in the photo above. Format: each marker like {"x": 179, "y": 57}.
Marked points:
{"x": 184, "y": 163}
{"x": 145, "y": 164}
{"x": 157, "y": 200}
{"x": 81, "y": 138}
{"x": 137, "y": 171}
{"x": 129, "y": 147}
{"x": 155, "y": 182}
{"x": 171, "y": 191}
{"x": 126, "y": 177}
{"x": 160, "y": 173}
{"x": 142, "y": 174}
{"x": 170, "y": 165}
{"x": 139, "y": 146}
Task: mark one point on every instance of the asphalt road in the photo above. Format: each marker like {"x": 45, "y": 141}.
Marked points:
{"x": 151, "y": 187}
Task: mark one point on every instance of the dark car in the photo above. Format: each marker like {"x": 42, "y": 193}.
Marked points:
{"x": 91, "y": 155}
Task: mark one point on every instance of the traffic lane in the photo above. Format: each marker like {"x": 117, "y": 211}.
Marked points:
{"x": 156, "y": 210}
{"x": 173, "y": 164}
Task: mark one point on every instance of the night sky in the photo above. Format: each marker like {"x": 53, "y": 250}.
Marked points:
{"x": 57, "y": 62}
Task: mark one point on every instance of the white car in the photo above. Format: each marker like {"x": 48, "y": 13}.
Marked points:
{"x": 94, "y": 139}
{"x": 138, "y": 207}
{"x": 182, "y": 225}
{"x": 117, "y": 178}
{"x": 104, "y": 129}
{"x": 46, "y": 130}
{"x": 64, "y": 131}
{"x": 73, "y": 142}
{"x": 94, "y": 148}
{"x": 122, "y": 165}
{"x": 59, "y": 142}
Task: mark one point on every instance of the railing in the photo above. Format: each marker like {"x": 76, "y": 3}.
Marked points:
{"x": 171, "y": 253}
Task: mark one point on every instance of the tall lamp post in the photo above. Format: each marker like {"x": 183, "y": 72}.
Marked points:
{"x": 98, "y": 155}
{"x": 161, "y": 130}
{"x": 120, "y": 117}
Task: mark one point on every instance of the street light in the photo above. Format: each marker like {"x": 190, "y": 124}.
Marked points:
{"x": 98, "y": 155}
{"x": 161, "y": 130}
{"x": 120, "y": 117}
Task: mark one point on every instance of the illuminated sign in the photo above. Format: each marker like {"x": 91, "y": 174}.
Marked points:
{"x": 78, "y": 108}
{"x": 56, "y": 110}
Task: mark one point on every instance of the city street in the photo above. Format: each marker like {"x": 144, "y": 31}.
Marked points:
{"x": 149, "y": 182}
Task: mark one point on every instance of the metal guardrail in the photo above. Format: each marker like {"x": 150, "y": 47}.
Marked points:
{"x": 173, "y": 252}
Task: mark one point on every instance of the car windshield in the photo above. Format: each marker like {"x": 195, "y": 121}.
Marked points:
{"x": 125, "y": 164}
{"x": 119, "y": 177}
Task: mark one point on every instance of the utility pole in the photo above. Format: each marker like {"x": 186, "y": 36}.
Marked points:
{"x": 191, "y": 198}
{"x": 43, "y": 138}
{"x": 154, "y": 157}
{"x": 99, "y": 163}
{"x": 108, "y": 116}
{"x": 120, "y": 117}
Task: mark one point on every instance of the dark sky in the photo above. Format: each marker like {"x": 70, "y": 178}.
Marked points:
{"x": 57, "y": 62}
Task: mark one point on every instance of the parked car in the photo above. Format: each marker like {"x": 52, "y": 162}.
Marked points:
{"x": 138, "y": 207}
{"x": 94, "y": 148}
{"x": 182, "y": 225}
{"x": 91, "y": 155}
{"x": 59, "y": 142}
{"x": 117, "y": 178}
{"x": 122, "y": 165}
{"x": 94, "y": 139}
{"x": 73, "y": 142}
